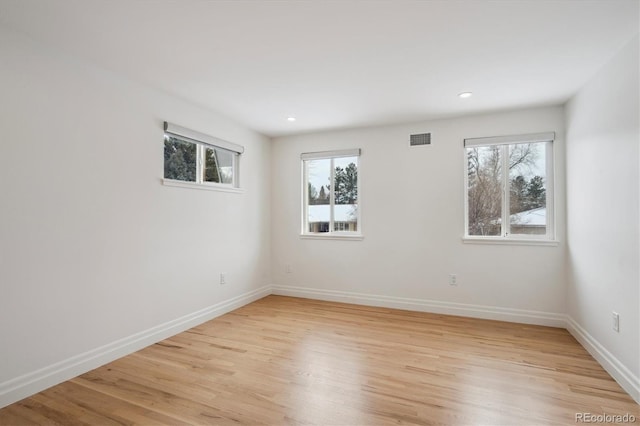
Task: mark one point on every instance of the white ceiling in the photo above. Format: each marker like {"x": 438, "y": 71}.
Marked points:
{"x": 337, "y": 64}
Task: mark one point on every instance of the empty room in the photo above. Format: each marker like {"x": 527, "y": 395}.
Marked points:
{"x": 319, "y": 212}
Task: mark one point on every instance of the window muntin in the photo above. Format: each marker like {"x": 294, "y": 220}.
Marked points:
{"x": 515, "y": 204}
{"x": 194, "y": 161}
{"x": 331, "y": 191}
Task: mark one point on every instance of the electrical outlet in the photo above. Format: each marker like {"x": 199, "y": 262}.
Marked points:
{"x": 616, "y": 322}
{"x": 287, "y": 268}
{"x": 223, "y": 279}
{"x": 453, "y": 279}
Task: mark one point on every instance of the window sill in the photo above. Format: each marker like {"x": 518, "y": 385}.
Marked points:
{"x": 205, "y": 186}
{"x": 344, "y": 237}
{"x": 510, "y": 241}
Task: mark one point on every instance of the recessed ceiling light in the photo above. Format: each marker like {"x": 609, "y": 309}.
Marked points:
{"x": 465, "y": 95}
{"x": 291, "y": 118}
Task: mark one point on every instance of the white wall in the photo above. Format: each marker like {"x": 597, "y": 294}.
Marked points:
{"x": 602, "y": 210}
{"x": 93, "y": 248}
{"x": 412, "y": 202}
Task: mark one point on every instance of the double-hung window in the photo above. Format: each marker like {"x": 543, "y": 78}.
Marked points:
{"x": 331, "y": 193}
{"x": 199, "y": 159}
{"x": 509, "y": 187}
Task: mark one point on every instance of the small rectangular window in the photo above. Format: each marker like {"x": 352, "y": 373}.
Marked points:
{"x": 509, "y": 186}
{"x": 193, "y": 157}
{"x": 331, "y": 193}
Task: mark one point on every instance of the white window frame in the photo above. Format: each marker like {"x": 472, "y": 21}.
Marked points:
{"x": 203, "y": 142}
{"x": 329, "y": 155}
{"x": 549, "y": 238}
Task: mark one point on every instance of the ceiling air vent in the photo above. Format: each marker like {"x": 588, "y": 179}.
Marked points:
{"x": 420, "y": 139}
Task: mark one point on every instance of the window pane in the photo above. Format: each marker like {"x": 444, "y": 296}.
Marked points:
{"x": 225, "y": 165}
{"x": 345, "y": 214}
{"x": 319, "y": 218}
{"x": 319, "y": 187}
{"x": 527, "y": 189}
{"x": 211, "y": 171}
{"x": 218, "y": 165}
{"x": 484, "y": 190}
{"x": 179, "y": 159}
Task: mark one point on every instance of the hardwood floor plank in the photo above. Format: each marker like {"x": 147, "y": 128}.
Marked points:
{"x": 285, "y": 360}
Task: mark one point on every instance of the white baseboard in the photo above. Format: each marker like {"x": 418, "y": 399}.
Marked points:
{"x": 621, "y": 374}
{"x": 28, "y": 384}
{"x": 423, "y": 305}
{"x": 20, "y": 387}
{"x": 625, "y": 378}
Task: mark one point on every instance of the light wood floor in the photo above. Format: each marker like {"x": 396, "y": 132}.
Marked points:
{"x": 284, "y": 360}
